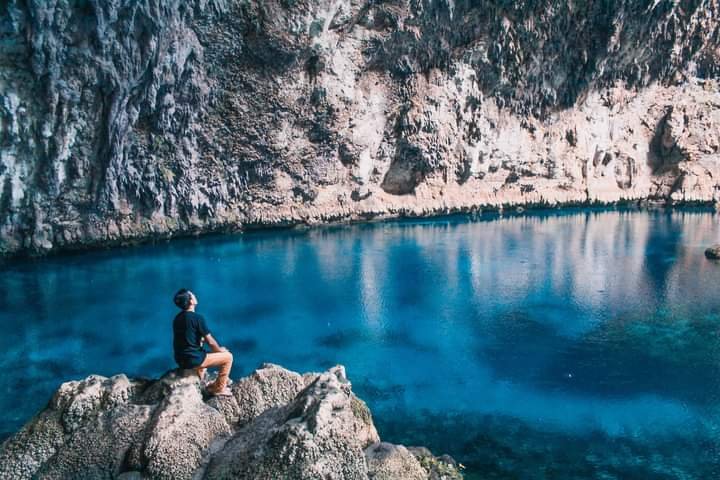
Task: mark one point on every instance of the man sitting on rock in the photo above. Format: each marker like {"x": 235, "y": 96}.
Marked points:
{"x": 189, "y": 334}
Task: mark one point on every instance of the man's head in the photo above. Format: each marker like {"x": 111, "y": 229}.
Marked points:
{"x": 185, "y": 299}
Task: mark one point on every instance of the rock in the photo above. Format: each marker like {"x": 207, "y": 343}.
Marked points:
{"x": 320, "y": 434}
{"x": 387, "y": 462}
{"x": 713, "y": 253}
{"x": 438, "y": 468}
{"x": 267, "y": 387}
{"x": 179, "y": 432}
{"x": 125, "y": 121}
{"x": 85, "y": 431}
{"x": 277, "y": 424}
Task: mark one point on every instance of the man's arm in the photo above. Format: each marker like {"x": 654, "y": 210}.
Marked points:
{"x": 205, "y": 335}
{"x": 214, "y": 346}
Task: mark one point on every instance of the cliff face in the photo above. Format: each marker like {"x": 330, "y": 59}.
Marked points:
{"x": 277, "y": 424}
{"x": 135, "y": 119}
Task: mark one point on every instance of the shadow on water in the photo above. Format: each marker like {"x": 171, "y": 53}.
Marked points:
{"x": 240, "y": 346}
{"x": 671, "y": 358}
{"x": 344, "y": 339}
{"x": 522, "y": 348}
{"x": 153, "y": 366}
{"x": 341, "y": 339}
{"x": 621, "y": 357}
{"x": 371, "y": 392}
{"x": 253, "y": 313}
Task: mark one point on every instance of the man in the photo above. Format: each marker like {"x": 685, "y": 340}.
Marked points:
{"x": 189, "y": 334}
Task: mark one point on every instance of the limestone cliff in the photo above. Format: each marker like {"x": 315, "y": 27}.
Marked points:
{"x": 141, "y": 118}
{"x": 277, "y": 425}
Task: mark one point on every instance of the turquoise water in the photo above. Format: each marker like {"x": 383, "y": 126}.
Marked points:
{"x": 577, "y": 345}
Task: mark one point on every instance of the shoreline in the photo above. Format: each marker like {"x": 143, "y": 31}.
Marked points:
{"x": 472, "y": 213}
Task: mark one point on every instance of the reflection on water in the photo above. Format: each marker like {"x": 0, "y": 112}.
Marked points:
{"x": 583, "y": 344}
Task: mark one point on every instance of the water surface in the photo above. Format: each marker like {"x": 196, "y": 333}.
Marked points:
{"x": 576, "y": 345}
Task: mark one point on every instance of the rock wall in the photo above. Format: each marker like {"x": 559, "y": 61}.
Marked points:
{"x": 137, "y": 119}
{"x": 277, "y": 424}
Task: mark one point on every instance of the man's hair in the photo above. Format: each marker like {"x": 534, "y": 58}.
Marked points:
{"x": 182, "y": 298}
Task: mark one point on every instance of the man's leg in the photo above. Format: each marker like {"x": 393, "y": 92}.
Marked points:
{"x": 201, "y": 372}
{"x": 224, "y": 361}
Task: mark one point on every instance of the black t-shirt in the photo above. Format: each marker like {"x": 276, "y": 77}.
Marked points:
{"x": 188, "y": 329}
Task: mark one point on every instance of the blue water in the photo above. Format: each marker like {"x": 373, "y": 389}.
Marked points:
{"x": 577, "y": 345}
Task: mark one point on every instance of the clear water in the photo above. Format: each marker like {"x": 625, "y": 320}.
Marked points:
{"x": 577, "y": 345}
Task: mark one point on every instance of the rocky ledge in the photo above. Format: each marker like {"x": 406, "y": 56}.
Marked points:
{"x": 713, "y": 253}
{"x": 277, "y": 424}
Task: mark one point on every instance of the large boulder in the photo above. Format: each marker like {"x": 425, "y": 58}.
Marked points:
{"x": 85, "y": 431}
{"x": 320, "y": 434}
{"x": 179, "y": 433}
{"x": 277, "y": 424}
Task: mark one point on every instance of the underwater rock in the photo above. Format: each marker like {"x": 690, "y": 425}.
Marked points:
{"x": 713, "y": 253}
{"x": 277, "y": 424}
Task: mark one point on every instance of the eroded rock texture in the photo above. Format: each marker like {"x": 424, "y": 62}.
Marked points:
{"x": 142, "y": 118}
{"x": 277, "y": 424}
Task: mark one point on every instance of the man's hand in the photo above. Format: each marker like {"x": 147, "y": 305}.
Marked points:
{"x": 214, "y": 346}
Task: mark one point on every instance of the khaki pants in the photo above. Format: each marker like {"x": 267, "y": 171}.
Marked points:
{"x": 223, "y": 360}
